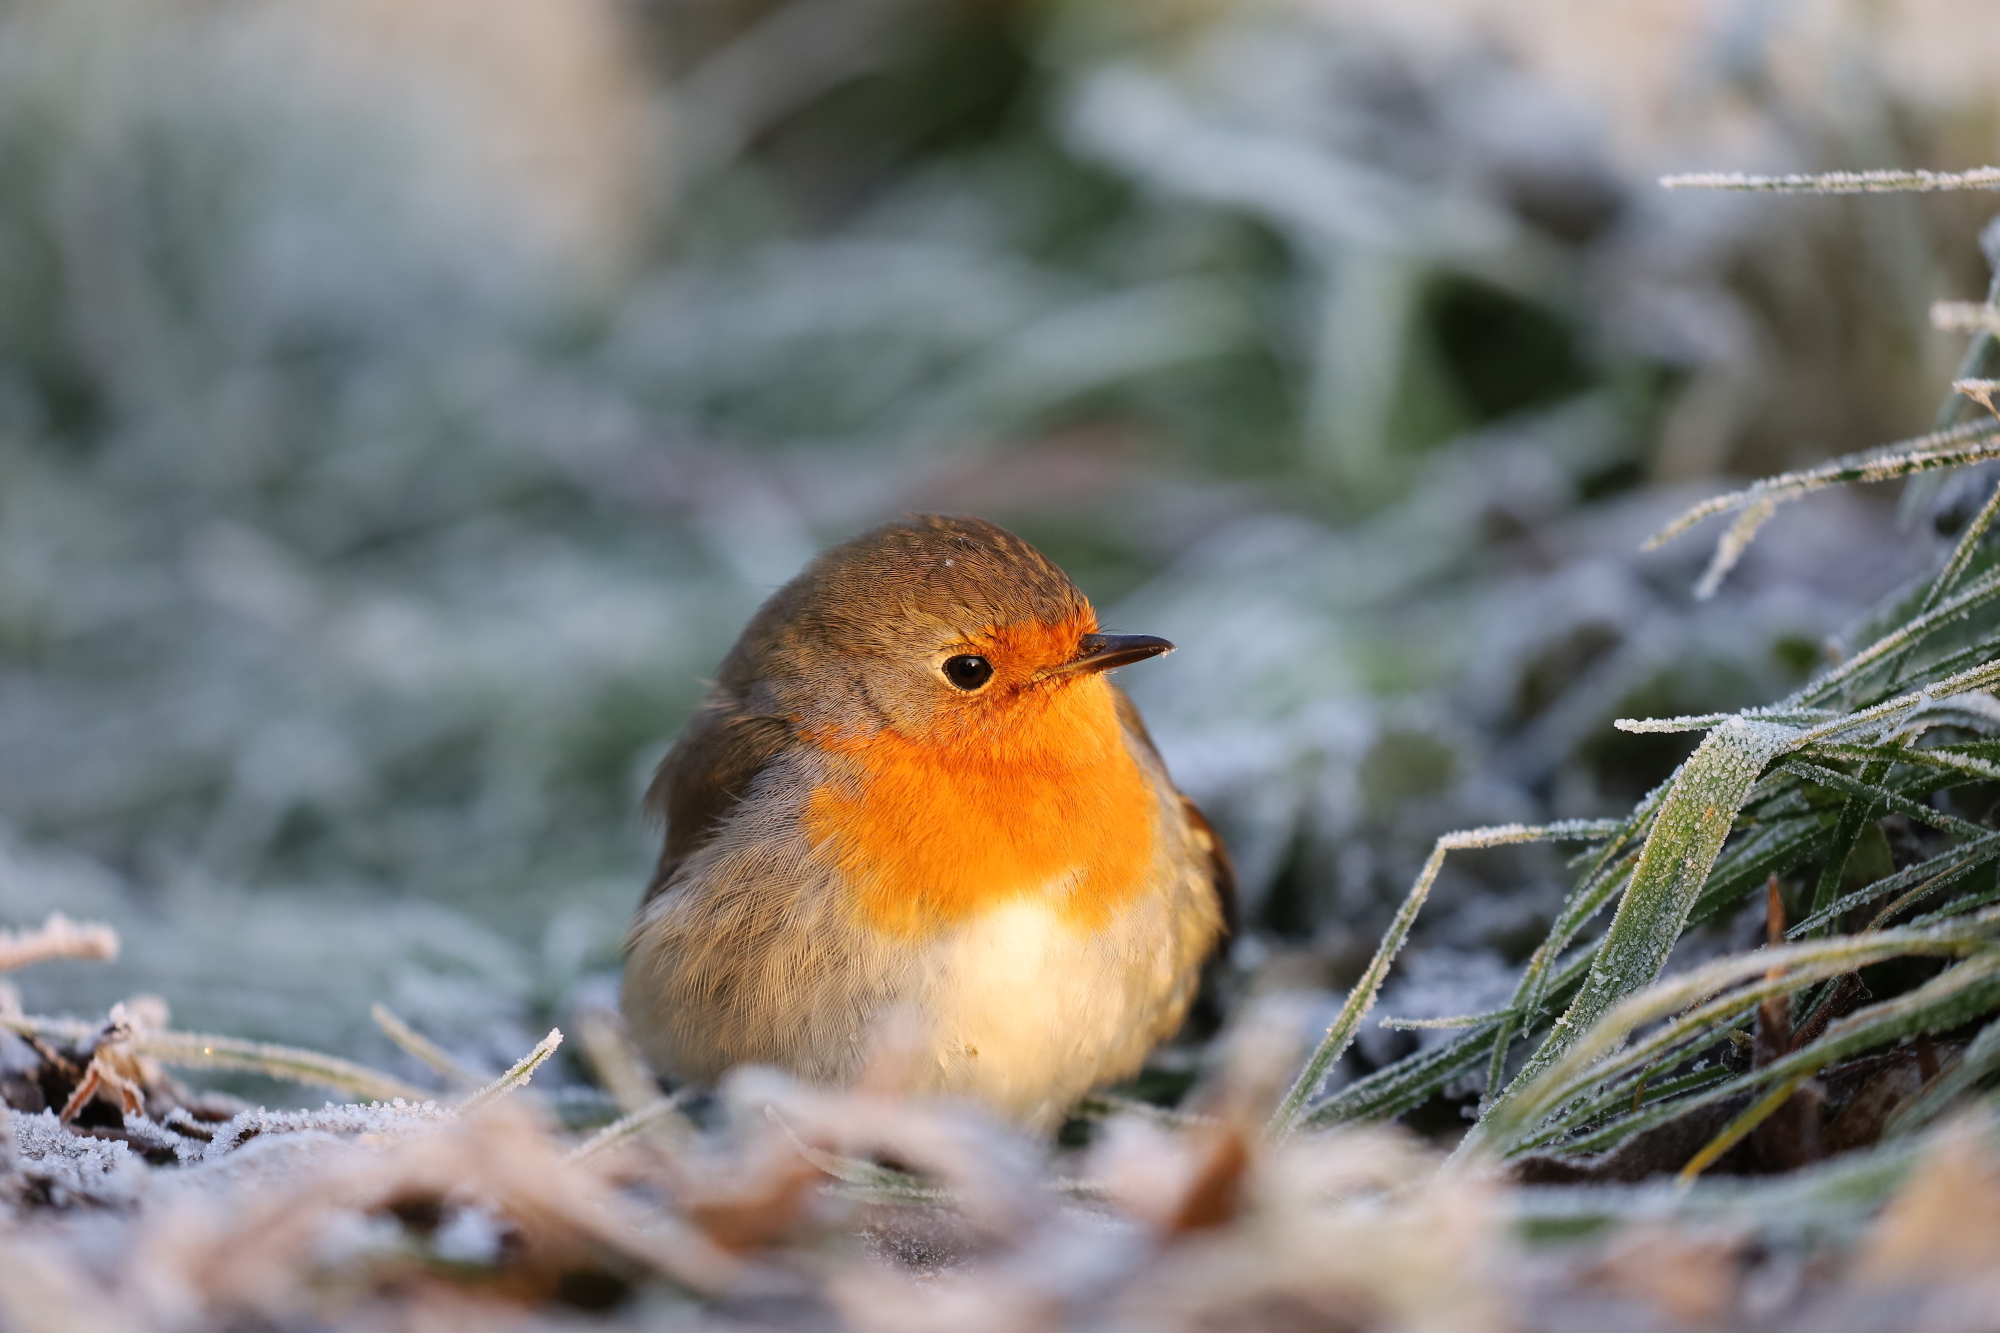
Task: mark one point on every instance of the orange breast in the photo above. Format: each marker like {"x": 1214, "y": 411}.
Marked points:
{"x": 931, "y": 835}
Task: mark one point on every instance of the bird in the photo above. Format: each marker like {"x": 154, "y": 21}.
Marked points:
{"x": 912, "y": 794}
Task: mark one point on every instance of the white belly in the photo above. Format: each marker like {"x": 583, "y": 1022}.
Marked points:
{"x": 1028, "y": 1012}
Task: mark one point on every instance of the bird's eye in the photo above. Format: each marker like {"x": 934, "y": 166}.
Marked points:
{"x": 968, "y": 673}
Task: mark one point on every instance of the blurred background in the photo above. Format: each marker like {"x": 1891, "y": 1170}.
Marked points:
{"x": 404, "y": 402}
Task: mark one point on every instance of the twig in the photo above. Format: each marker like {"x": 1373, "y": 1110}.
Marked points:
{"x": 57, "y": 937}
{"x": 195, "y": 1050}
{"x": 1839, "y": 182}
{"x": 1979, "y": 391}
{"x": 1964, "y": 317}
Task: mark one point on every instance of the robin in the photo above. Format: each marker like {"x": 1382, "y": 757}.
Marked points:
{"x": 913, "y": 791}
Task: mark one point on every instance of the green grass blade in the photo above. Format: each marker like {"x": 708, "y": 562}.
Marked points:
{"x": 1602, "y": 879}
{"x": 1595, "y": 1056}
{"x": 1888, "y": 650}
{"x": 1969, "y": 541}
{"x": 1362, "y": 997}
{"x": 1954, "y": 761}
{"x": 1415, "y": 1079}
{"x": 1875, "y": 793}
{"x": 194, "y": 1050}
{"x": 1955, "y": 446}
{"x": 1966, "y": 991}
{"x": 1977, "y": 1064}
{"x": 1966, "y": 856}
{"x": 1396, "y": 1088}
{"x": 1854, "y": 816}
{"x": 1694, "y": 820}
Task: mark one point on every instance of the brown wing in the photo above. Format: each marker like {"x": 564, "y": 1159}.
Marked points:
{"x": 713, "y": 763}
{"x": 1221, "y": 870}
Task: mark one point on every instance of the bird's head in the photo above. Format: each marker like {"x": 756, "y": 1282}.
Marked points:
{"x": 943, "y": 630}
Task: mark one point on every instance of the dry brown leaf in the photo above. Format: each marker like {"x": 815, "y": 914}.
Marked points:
{"x": 756, "y": 1199}
{"x": 1693, "y": 1278}
{"x": 1170, "y": 1181}
{"x": 1334, "y": 1236}
{"x": 1979, "y": 391}
{"x": 271, "y": 1245}
{"x": 1214, "y": 1195}
{"x": 116, "y": 1072}
{"x": 1945, "y": 1221}
{"x": 990, "y": 1169}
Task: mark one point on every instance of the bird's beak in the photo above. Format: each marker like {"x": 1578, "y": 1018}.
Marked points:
{"x": 1101, "y": 652}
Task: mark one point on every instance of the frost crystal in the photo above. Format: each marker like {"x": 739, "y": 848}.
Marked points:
{"x": 61, "y": 1168}
{"x": 390, "y": 1120}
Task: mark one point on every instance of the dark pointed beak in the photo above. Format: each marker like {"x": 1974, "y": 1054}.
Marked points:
{"x": 1101, "y": 652}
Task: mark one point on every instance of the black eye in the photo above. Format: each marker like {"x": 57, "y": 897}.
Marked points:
{"x": 968, "y": 673}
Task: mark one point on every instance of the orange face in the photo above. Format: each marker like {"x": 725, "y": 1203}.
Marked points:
{"x": 1022, "y": 784}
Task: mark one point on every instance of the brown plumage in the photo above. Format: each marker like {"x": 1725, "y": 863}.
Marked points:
{"x": 913, "y": 792}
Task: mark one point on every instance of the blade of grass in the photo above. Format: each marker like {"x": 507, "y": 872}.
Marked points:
{"x": 611, "y": 1055}
{"x": 1954, "y": 446}
{"x": 1971, "y": 902}
{"x": 1531, "y": 990}
{"x": 1973, "y": 678}
{"x": 1602, "y": 879}
{"x": 1965, "y": 856}
{"x": 523, "y": 1070}
{"x": 1946, "y": 1001}
{"x": 1955, "y": 660}
{"x": 1976, "y": 1065}
{"x": 1413, "y": 1080}
{"x": 1742, "y": 1127}
{"x": 1735, "y": 542}
{"x": 1774, "y": 850}
{"x": 1876, "y": 793}
{"x": 1687, "y": 836}
{"x": 1962, "y": 554}
{"x": 1705, "y": 994}
{"x": 1486, "y": 1020}
{"x": 57, "y": 937}
{"x": 1951, "y": 760}
{"x": 1396, "y": 1088}
{"x": 1790, "y": 717}
{"x": 1918, "y": 894}
{"x": 1844, "y": 1195}
{"x": 661, "y": 1111}
{"x": 423, "y": 1048}
{"x": 1611, "y": 1117}
{"x": 1854, "y": 817}
{"x": 1362, "y": 997}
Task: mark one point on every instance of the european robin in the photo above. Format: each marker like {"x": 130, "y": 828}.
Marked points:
{"x": 913, "y": 791}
